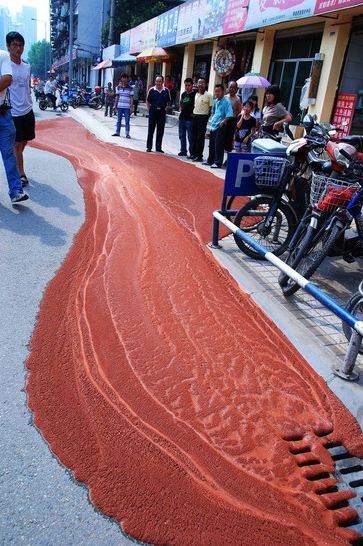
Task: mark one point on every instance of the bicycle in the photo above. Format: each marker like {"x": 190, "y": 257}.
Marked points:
{"x": 335, "y": 203}
{"x": 271, "y": 217}
{"x": 355, "y": 306}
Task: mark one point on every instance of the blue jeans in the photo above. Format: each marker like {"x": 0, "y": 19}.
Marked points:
{"x": 123, "y": 112}
{"x": 7, "y": 140}
{"x": 186, "y": 128}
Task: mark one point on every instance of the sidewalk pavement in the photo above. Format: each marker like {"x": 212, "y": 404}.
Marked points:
{"x": 314, "y": 330}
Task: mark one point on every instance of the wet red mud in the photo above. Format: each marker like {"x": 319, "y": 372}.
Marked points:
{"x": 161, "y": 384}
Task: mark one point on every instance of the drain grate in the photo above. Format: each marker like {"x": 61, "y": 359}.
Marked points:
{"x": 349, "y": 475}
{"x": 342, "y": 488}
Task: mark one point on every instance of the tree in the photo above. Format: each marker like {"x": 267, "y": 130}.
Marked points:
{"x": 39, "y": 58}
{"x": 129, "y": 14}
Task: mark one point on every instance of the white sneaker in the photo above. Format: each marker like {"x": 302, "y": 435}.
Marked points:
{"x": 20, "y": 196}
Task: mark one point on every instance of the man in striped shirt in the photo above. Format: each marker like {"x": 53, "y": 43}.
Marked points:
{"x": 124, "y": 103}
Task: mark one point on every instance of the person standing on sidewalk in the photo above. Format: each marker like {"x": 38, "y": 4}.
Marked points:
{"x": 124, "y": 103}
{"x": 231, "y": 123}
{"x": 202, "y": 109}
{"x": 186, "y": 106}
{"x": 109, "y": 96}
{"x": 21, "y": 100}
{"x": 221, "y": 112}
{"x": 158, "y": 98}
{"x": 7, "y": 133}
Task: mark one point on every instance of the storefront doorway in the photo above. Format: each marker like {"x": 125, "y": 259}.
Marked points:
{"x": 352, "y": 76}
{"x": 291, "y": 64}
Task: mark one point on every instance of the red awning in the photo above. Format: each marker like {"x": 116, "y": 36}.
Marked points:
{"x": 103, "y": 64}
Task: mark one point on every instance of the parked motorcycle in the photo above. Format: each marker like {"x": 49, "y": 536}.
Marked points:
{"x": 86, "y": 98}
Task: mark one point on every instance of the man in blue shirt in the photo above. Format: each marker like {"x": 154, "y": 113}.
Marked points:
{"x": 157, "y": 100}
{"x": 221, "y": 112}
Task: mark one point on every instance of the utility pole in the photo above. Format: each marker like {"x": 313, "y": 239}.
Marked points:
{"x": 112, "y": 23}
{"x": 70, "y": 67}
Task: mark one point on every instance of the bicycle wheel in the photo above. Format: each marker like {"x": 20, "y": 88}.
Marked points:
{"x": 355, "y": 306}
{"x": 300, "y": 248}
{"x": 313, "y": 258}
{"x": 251, "y": 219}
{"x": 64, "y": 106}
{"x": 75, "y": 102}
{"x": 95, "y": 103}
{"x": 235, "y": 202}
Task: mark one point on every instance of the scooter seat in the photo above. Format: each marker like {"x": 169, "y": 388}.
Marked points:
{"x": 354, "y": 140}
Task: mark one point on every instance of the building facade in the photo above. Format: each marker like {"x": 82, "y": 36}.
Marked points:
{"x": 87, "y": 18}
{"x": 290, "y": 42}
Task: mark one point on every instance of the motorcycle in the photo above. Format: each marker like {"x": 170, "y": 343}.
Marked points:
{"x": 45, "y": 102}
{"x": 86, "y": 98}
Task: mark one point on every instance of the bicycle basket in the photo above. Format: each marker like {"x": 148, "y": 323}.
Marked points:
{"x": 268, "y": 170}
{"x": 330, "y": 193}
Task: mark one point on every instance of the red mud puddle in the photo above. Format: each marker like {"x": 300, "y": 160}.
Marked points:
{"x": 163, "y": 386}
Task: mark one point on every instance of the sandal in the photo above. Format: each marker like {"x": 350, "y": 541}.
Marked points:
{"x": 24, "y": 180}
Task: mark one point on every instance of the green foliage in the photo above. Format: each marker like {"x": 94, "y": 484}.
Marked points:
{"x": 39, "y": 58}
{"x": 130, "y": 14}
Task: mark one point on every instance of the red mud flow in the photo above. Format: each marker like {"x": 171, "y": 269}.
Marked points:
{"x": 165, "y": 389}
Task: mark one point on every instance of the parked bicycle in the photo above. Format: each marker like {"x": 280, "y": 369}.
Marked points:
{"x": 325, "y": 229}
{"x": 271, "y": 218}
{"x": 355, "y": 306}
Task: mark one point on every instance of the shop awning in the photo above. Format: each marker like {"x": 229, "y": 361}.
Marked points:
{"x": 102, "y": 65}
{"x": 124, "y": 58}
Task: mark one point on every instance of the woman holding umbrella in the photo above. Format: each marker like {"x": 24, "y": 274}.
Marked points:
{"x": 275, "y": 113}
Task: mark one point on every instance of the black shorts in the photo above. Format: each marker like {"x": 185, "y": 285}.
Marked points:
{"x": 25, "y": 127}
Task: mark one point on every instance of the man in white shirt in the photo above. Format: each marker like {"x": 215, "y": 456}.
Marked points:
{"x": 50, "y": 89}
{"x": 21, "y": 100}
{"x": 7, "y": 133}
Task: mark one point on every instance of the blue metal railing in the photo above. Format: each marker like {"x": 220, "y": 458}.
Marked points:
{"x": 346, "y": 372}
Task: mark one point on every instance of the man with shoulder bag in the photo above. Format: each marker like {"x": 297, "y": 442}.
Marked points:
{"x": 7, "y": 133}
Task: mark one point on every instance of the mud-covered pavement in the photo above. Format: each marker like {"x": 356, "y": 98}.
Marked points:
{"x": 183, "y": 423}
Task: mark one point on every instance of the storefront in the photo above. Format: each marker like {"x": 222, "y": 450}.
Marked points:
{"x": 292, "y": 61}
{"x": 352, "y": 75}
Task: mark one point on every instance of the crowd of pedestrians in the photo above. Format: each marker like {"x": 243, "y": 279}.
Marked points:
{"x": 232, "y": 125}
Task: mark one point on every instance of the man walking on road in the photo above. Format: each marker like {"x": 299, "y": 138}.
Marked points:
{"x": 7, "y": 133}
{"x": 158, "y": 98}
{"x": 21, "y": 100}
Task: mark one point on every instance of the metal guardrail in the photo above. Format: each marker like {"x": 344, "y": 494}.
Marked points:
{"x": 347, "y": 370}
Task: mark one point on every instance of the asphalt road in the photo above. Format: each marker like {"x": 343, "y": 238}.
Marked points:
{"x": 40, "y": 502}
